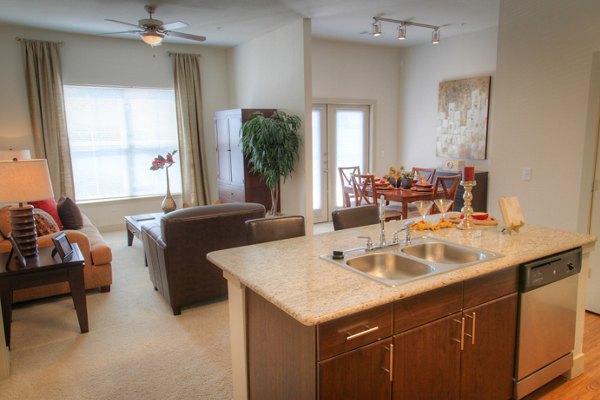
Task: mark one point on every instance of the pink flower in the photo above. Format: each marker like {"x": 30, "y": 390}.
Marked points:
{"x": 161, "y": 162}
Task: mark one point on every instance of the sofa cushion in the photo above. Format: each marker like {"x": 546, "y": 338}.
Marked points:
{"x": 99, "y": 249}
{"x": 44, "y": 223}
{"x": 4, "y": 222}
{"x": 50, "y": 207}
{"x": 69, "y": 213}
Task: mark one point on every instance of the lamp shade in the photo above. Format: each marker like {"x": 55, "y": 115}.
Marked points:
{"x": 152, "y": 38}
{"x": 24, "y": 181}
{"x": 11, "y": 154}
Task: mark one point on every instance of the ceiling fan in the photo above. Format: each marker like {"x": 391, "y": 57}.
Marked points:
{"x": 153, "y": 31}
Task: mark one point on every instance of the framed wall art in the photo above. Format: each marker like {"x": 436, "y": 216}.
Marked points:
{"x": 463, "y": 108}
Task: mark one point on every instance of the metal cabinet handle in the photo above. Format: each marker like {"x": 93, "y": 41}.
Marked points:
{"x": 472, "y": 335}
{"x": 359, "y": 334}
{"x": 462, "y": 333}
{"x": 391, "y": 370}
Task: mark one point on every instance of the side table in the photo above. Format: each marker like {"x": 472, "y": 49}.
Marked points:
{"x": 134, "y": 224}
{"x": 42, "y": 270}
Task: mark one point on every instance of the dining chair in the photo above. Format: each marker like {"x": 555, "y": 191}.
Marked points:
{"x": 365, "y": 193}
{"x": 262, "y": 230}
{"x": 445, "y": 187}
{"x": 346, "y": 218}
{"x": 427, "y": 173}
{"x": 346, "y": 181}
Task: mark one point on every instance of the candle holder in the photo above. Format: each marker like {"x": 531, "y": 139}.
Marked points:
{"x": 467, "y": 210}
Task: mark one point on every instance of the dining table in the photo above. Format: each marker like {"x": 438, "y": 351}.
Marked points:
{"x": 405, "y": 196}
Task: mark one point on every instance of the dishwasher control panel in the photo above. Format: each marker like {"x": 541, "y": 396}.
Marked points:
{"x": 547, "y": 270}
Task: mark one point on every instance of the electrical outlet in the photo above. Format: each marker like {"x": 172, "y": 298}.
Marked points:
{"x": 526, "y": 173}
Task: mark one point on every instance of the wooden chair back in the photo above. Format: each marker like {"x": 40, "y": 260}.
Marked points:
{"x": 445, "y": 187}
{"x": 427, "y": 173}
{"x": 346, "y": 182}
{"x": 365, "y": 191}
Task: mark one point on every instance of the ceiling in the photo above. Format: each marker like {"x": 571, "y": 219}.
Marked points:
{"x": 231, "y": 22}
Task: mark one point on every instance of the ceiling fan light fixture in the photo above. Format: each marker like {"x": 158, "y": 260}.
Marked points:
{"x": 152, "y": 38}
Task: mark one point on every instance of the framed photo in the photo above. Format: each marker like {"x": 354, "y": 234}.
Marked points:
{"x": 16, "y": 250}
{"x": 63, "y": 246}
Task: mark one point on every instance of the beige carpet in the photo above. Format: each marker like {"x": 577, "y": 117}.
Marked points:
{"x": 136, "y": 348}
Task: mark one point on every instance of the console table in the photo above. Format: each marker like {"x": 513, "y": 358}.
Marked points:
{"x": 134, "y": 224}
{"x": 42, "y": 270}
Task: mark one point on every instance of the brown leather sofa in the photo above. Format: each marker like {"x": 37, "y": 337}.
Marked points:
{"x": 176, "y": 250}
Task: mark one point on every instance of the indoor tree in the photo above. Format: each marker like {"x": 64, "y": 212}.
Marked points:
{"x": 272, "y": 145}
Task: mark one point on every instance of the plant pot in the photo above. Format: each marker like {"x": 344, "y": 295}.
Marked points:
{"x": 406, "y": 183}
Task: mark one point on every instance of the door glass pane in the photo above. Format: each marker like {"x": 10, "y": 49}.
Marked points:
{"x": 316, "y": 159}
{"x": 350, "y": 144}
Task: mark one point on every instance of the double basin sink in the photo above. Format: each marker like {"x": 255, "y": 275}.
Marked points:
{"x": 398, "y": 264}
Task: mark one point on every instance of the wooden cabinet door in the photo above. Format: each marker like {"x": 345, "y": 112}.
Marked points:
{"x": 363, "y": 373}
{"x": 489, "y": 349}
{"x": 223, "y": 150}
{"x": 427, "y": 361}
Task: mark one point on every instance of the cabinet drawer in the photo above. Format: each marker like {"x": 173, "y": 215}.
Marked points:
{"x": 490, "y": 286}
{"x": 353, "y": 331}
{"x": 426, "y": 307}
{"x": 230, "y": 193}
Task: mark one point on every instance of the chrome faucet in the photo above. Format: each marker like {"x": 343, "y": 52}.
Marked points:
{"x": 405, "y": 227}
{"x": 382, "y": 221}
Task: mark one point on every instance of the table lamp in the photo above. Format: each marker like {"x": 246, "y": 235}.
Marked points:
{"x": 23, "y": 181}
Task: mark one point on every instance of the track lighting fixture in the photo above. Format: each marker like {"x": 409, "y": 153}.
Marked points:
{"x": 401, "y": 32}
{"x": 376, "y": 27}
{"x": 435, "y": 36}
{"x": 402, "y": 24}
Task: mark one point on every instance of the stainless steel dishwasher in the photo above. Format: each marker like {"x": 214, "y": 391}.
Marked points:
{"x": 546, "y": 328}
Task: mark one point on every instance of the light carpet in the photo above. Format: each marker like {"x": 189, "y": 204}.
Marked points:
{"x": 135, "y": 349}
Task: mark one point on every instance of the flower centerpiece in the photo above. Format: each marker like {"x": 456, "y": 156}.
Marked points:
{"x": 160, "y": 162}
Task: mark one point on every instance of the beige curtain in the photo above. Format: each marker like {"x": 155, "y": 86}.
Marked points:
{"x": 188, "y": 98}
{"x": 43, "y": 75}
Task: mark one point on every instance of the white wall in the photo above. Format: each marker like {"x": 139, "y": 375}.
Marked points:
{"x": 345, "y": 71}
{"x": 425, "y": 66}
{"x": 107, "y": 61}
{"x": 545, "y": 51}
{"x": 270, "y": 72}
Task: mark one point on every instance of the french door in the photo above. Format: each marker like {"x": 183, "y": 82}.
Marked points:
{"x": 340, "y": 139}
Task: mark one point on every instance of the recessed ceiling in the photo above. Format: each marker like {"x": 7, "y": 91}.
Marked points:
{"x": 231, "y": 22}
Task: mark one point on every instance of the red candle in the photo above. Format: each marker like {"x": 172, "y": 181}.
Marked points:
{"x": 468, "y": 173}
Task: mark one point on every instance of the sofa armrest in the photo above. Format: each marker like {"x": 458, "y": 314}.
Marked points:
{"x": 74, "y": 237}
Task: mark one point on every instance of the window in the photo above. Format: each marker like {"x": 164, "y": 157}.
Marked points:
{"x": 114, "y": 134}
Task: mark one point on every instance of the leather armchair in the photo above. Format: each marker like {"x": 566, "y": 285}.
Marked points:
{"x": 176, "y": 250}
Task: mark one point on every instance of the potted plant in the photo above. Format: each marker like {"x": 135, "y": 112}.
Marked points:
{"x": 271, "y": 145}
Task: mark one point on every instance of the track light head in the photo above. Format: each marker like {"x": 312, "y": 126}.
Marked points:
{"x": 435, "y": 36}
{"x": 376, "y": 28}
{"x": 401, "y": 31}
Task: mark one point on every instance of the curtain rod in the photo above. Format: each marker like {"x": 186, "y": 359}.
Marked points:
{"x": 172, "y": 53}
{"x": 20, "y": 39}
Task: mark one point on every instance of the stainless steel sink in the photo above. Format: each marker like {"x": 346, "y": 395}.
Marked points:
{"x": 397, "y": 265}
{"x": 446, "y": 253}
{"x": 389, "y": 266}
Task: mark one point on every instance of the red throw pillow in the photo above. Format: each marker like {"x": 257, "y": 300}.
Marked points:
{"x": 51, "y": 208}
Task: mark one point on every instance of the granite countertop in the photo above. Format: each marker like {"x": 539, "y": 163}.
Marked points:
{"x": 290, "y": 274}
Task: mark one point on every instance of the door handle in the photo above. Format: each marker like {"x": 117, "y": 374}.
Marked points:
{"x": 474, "y": 319}
{"x": 391, "y": 369}
{"x": 462, "y": 333}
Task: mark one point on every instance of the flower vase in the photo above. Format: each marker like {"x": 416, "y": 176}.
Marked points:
{"x": 168, "y": 203}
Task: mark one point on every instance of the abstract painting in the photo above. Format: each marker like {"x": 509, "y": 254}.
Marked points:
{"x": 463, "y": 108}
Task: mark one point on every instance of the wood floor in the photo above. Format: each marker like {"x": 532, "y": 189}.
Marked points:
{"x": 586, "y": 386}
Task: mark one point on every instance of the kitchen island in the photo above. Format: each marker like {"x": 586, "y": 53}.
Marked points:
{"x": 308, "y": 292}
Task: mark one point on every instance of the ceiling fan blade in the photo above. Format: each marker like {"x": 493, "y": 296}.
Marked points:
{"x": 186, "y": 36}
{"x": 174, "y": 25}
{"x": 121, "y": 22}
{"x": 116, "y": 33}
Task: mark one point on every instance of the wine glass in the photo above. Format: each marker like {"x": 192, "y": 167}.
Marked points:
{"x": 423, "y": 207}
{"x": 443, "y": 205}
